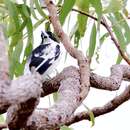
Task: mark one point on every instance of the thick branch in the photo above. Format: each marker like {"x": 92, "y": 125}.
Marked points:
{"x": 27, "y": 94}
{"x": 4, "y": 78}
{"x": 23, "y": 96}
{"x": 82, "y": 61}
{"x": 111, "y": 83}
{"x": 68, "y": 101}
{"x": 98, "y": 111}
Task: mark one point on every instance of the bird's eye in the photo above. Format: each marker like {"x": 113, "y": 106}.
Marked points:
{"x": 45, "y": 36}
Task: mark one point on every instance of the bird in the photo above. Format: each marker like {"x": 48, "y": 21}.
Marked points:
{"x": 46, "y": 56}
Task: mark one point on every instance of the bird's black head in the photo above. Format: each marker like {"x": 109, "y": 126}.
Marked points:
{"x": 52, "y": 36}
{"x": 48, "y": 34}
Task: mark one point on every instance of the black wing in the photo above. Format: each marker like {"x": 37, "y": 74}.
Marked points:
{"x": 42, "y": 60}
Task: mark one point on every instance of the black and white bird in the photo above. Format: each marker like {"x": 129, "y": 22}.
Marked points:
{"x": 46, "y": 56}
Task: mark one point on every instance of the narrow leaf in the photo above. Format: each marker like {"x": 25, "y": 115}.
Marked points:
{"x": 39, "y": 22}
{"x": 29, "y": 45}
{"x": 103, "y": 38}
{"x": 13, "y": 12}
{"x": 65, "y": 128}
{"x": 92, "y": 43}
{"x": 39, "y": 9}
{"x": 118, "y": 31}
{"x": 32, "y": 9}
{"x": 66, "y": 8}
{"x": 55, "y": 96}
{"x": 114, "y": 6}
{"x": 119, "y": 59}
{"x": 83, "y": 5}
{"x": 2, "y": 118}
{"x": 98, "y": 7}
{"x": 124, "y": 25}
{"x": 92, "y": 118}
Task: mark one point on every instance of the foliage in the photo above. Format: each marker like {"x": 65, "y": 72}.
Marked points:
{"x": 2, "y": 119}
{"x": 18, "y": 17}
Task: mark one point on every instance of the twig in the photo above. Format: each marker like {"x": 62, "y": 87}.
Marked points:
{"x": 87, "y": 14}
{"x": 105, "y": 24}
{"x": 82, "y": 61}
{"x": 125, "y": 57}
{"x": 108, "y": 107}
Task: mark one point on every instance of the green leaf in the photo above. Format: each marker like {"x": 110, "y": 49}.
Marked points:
{"x": 65, "y": 128}
{"x": 82, "y": 5}
{"x": 102, "y": 39}
{"x": 19, "y": 70}
{"x": 91, "y": 115}
{"x": 39, "y": 22}
{"x": 29, "y": 45}
{"x": 14, "y": 57}
{"x": 26, "y": 10}
{"x": 55, "y": 96}
{"x": 82, "y": 22}
{"x": 92, "y": 42}
{"x": 14, "y": 40}
{"x": 76, "y": 39}
{"x": 47, "y": 26}
{"x": 124, "y": 25}
{"x": 2, "y": 118}
{"x": 13, "y": 12}
{"x": 39, "y": 9}
{"x": 73, "y": 30}
{"x": 59, "y": 2}
{"x": 32, "y": 9}
{"x": 11, "y": 28}
{"x": 1, "y": 1}
{"x": 118, "y": 32}
{"x": 119, "y": 59}
{"x": 114, "y": 6}
{"x": 66, "y": 8}
{"x": 98, "y": 7}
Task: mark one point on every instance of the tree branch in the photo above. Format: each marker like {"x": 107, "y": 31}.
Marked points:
{"x": 111, "y": 83}
{"x": 117, "y": 44}
{"x": 105, "y": 24}
{"x": 4, "y": 72}
{"x": 23, "y": 96}
{"x": 68, "y": 101}
{"x": 98, "y": 111}
{"x": 118, "y": 72}
{"x": 82, "y": 61}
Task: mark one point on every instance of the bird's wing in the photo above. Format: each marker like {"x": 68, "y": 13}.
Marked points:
{"x": 51, "y": 53}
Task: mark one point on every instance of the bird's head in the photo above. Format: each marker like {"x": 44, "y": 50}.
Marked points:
{"x": 47, "y": 36}
{"x": 44, "y": 37}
